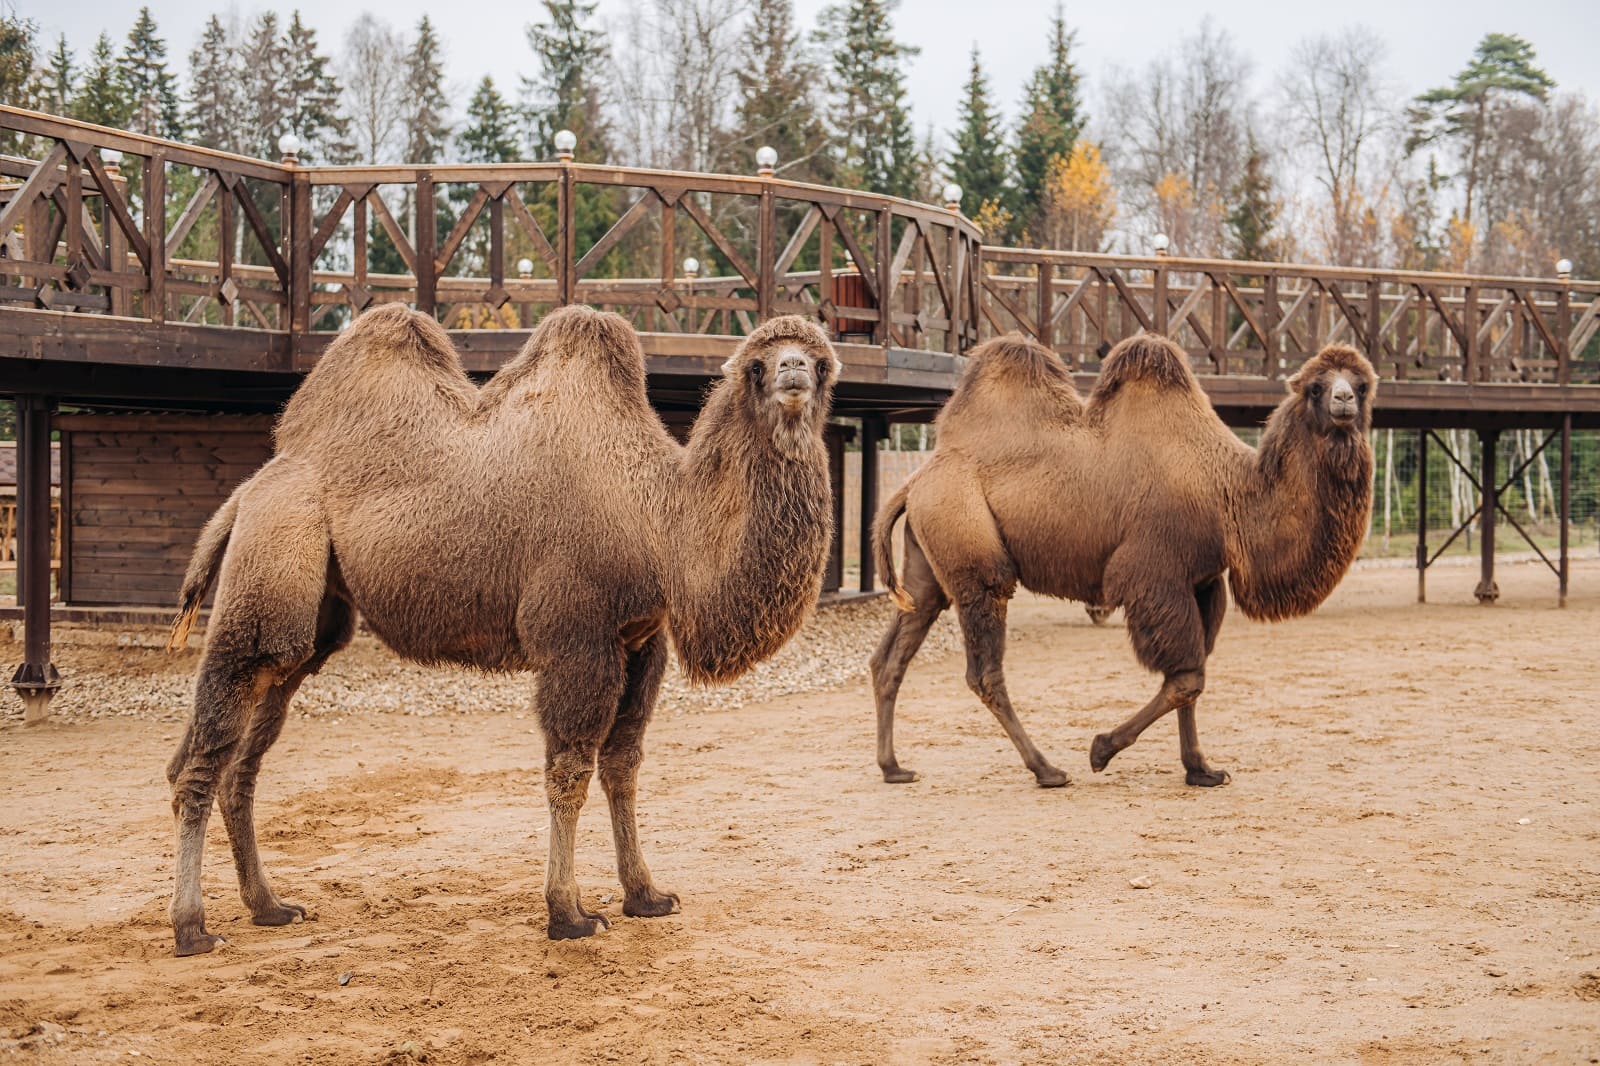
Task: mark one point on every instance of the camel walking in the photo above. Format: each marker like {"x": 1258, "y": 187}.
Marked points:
{"x": 1140, "y": 499}
{"x": 546, "y": 521}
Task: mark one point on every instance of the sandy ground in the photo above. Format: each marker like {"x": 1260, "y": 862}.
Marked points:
{"x": 1406, "y": 868}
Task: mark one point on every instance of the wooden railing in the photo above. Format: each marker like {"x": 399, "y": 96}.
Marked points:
{"x": 168, "y": 233}
{"x": 171, "y": 234}
{"x": 1262, "y": 319}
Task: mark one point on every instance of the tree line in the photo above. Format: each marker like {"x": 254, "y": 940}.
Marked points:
{"x": 1497, "y": 171}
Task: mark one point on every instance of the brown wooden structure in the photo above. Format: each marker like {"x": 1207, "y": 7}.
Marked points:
{"x": 141, "y": 279}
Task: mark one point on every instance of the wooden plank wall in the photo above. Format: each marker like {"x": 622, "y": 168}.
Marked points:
{"x": 138, "y": 490}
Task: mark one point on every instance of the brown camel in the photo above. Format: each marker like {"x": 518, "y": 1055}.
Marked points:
{"x": 544, "y": 522}
{"x": 1139, "y": 499}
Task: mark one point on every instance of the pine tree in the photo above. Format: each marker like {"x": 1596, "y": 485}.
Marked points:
{"x": 1052, "y": 119}
{"x": 100, "y": 99}
{"x": 313, "y": 111}
{"x": 979, "y": 164}
{"x": 875, "y": 147}
{"x": 777, "y": 106}
{"x": 149, "y": 89}
{"x": 1254, "y": 214}
{"x": 429, "y": 106}
{"x": 55, "y": 95}
{"x": 566, "y": 92}
{"x": 214, "y": 96}
{"x": 16, "y": 60}
{"x": 263, "y": 88}
{"x": 1501, "y": 66}
{"x": 490, "y": 135}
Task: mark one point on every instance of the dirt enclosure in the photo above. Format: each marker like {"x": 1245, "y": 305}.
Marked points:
{"x": 1405, "y": 869}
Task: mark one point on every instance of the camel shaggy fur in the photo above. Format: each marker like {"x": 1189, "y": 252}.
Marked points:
{"x": 1141, "y": 499}
{"x": 546, "y": 522}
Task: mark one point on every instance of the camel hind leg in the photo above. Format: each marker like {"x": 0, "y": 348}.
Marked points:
{"x": 263, "y": 630}
{"x": 1213, "y": 602}
{"x": 335, "y": 624}
{"x": 906, "y": 632}
{"x": 619, "y": 760}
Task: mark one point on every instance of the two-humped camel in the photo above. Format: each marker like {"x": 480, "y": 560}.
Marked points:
{"x": 546, "y": 521}
{"x": 1140, "y": 499}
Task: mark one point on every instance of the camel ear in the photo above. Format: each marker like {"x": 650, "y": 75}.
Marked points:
{"x": 729, "y": 364}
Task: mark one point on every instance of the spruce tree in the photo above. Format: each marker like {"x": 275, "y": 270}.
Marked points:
{"x": 425, "y": 92}
{"x": 100, "y": 99}
{"x": 214, "y": 97}
{"x": 565, "y": 94}
{"x": 979, "y": 164}
{"x": 777, "y": 105}
{"x": 312, "y": 94}
{"x": 149, "y": 89}
{"x": 17, "y": 57}
{"x": 1254, "y": 213}
{"x": 55, "y": 87}
{"x": 490, "y": 135}
{"x": 1052, "y": 119}
{"x": 263, "y": 89}
{"x": 875, "y": 146}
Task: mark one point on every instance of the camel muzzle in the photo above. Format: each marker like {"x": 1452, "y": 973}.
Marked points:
{"x": 793, "y": 386}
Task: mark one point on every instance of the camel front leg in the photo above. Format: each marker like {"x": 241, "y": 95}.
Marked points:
{"x": 620, "y": 757}
{"x": 1197, "y": 771}
{"x": 1177, "y": 691}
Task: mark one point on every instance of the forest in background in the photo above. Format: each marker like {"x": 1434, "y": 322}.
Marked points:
{"x": 1497, "y": 171}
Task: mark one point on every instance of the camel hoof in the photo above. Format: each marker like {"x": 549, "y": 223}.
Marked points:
{"x": 196, "y": 944}
{"x": 1050, "y": 777}
{"x": 653, "y": 905}
{"x": 280, "y": 914}
{"x": 895, "y": 775}
{"x": 577, "y": 928}
{"x": 1100, "y": 752}
{"x": 1207, "y": 778}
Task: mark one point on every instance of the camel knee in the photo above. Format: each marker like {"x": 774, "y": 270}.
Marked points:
{"x": 1186, "y": 686}
{"x": 988, "y": 683}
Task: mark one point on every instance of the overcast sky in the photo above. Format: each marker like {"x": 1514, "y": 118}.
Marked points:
{"x": 1427, "y": 42}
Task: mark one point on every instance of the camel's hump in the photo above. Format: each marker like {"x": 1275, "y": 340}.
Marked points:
{"x": 1011, "y": 370}
{"x": 1148, "y": 358}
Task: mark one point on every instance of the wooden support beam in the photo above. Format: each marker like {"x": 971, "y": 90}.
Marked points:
{"x": 36, "y": 680}
{"x": 1487, "y": 591}
{"x": 1565, "y": 502}
{"x": 873, "y": 429}
{"x": 1422, "y": 516}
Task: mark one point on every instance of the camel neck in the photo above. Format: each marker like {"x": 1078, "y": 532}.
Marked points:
{"x": 750, "y": 528}
{"x": 1300, "y": 520}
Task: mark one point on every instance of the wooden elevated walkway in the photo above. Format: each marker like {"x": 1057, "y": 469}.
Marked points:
{"x": 144, "y": 275}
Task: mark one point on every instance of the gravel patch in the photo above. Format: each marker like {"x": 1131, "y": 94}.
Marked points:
{"x": 125, "y": 674}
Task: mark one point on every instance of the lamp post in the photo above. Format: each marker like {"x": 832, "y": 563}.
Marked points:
{"x": 952, "y": 196}
{"x": 1161, "y": 243}
{"x": 1564, "y": 269}
{"x": 566, "y": 141}
{"x": 289, "y": 148}
{"x": 766, "y": 160}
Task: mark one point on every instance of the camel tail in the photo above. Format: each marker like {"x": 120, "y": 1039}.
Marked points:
{"x": 883, "y": 546}
{"x": 203, "y": 568}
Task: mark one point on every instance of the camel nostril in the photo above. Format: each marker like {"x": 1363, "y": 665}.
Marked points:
{"x": 791, "y": 362}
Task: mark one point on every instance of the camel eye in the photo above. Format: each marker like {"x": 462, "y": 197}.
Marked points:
{"x": 1361, "y": 390}
{"x": 1316, "y": 391}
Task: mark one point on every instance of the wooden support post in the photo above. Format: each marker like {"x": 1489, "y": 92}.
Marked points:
{"x": 427, "y": 231}
{"x": 1566, "y": 500}
{"x": 1487, "y": 591}
{"x": 155, "y": 234}
{"x": 1422, "y": 516}
{"x": 873, "y": 430}
{"x": 766, "y": 254}
{"x": 833, "y": 576}
{"x": 1046, "y": 304}
{"x": 36, "y": 680}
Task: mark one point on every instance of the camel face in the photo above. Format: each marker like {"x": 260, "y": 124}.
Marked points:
{"x": 786, "y": 372}
{"x": 1336, "y": 388}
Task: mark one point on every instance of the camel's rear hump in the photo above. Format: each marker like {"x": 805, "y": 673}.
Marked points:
{"x": 392, "y": 366}
{"x": 1010, "y": 379}
{"x": 1148, "y": 358}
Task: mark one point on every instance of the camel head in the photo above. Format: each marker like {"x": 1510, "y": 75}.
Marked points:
{"x": 782, "y": 377}
{"x": 1334, "y": 391}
